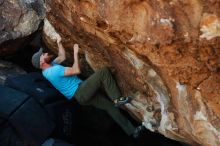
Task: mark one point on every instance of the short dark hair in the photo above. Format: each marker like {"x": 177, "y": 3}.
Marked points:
{"x": 50, "y": 59}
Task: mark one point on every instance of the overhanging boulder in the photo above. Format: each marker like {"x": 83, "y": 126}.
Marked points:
{"x": 164, "y": 53}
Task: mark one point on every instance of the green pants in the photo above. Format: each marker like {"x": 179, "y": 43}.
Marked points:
{"x": 87, "y": 94}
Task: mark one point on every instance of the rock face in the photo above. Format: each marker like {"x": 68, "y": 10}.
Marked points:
{"x": 164, "y": 53}
{"x": 18, "y": 19}
{"x": 8, "y": 69}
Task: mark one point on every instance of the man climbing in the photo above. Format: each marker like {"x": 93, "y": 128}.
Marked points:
{"x": 65, "y": 80}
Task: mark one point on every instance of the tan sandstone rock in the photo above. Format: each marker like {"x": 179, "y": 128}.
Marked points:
{"x": 164, "y": 53}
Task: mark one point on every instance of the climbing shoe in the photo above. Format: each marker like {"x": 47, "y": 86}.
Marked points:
{"x": 138, "y": 131}
{"x": 121, "y": 101}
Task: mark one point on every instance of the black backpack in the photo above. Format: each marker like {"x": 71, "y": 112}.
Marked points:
{"x": 35, "y": 85}
{"x": 22, "y": 118}
{"x": 55, "y": 142}
{"x": 60, "y": 110}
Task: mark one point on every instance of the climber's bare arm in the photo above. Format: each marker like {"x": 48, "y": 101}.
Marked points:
{"x": 61, "y": 52}
{"x": 75, "y": 69}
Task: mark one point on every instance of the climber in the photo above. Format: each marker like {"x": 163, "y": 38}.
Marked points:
{"x": 65, "y": 80}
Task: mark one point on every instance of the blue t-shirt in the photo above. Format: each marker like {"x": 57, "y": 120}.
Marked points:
{"x": 67, "y": 85}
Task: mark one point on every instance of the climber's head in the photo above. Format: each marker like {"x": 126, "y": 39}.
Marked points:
{"x": 41, "y": 59}
{"x": 36, "y": 58}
